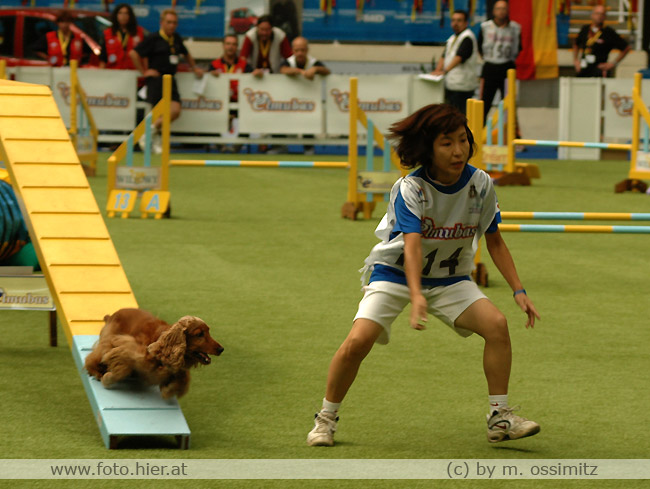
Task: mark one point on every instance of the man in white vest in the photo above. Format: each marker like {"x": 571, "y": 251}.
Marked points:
{"x": 459, "y": 62}
{"x": 301, "y": 63}
{"x": 265, "y": 47}
{"x": 499, "y": 42}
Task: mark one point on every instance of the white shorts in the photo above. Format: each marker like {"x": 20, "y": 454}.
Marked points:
{"x": 383, "y": 301}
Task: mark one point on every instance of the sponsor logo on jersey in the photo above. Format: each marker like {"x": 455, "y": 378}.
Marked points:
{"x": 476, "y": 205}
{"x": 459, "y": 231}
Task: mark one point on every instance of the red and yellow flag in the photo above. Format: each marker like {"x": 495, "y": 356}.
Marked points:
{"x": 538, "y": 57}
{"x": 327, "y": 6}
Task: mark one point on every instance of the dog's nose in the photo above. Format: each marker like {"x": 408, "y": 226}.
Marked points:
{"x": 220, "y": 350}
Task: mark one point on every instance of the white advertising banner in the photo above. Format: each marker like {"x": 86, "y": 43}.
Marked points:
{"x": 280, "y": 104}
{"x": 384, "y": 98}
{"x": 425, "y": 92}
{"x": 618, "y": 106}
{"x": 111, "y": 96}
{"x": 205, "y": 104}
{"x": 26, "y": 292}
{"x": 39, "y": 75}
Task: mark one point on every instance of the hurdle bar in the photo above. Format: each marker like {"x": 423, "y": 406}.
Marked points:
{"x": 262, "y": 164}
{"x": 578, "y": 216}
{"x": 572, "y": 144}
{"x": 357, "y": 201}
{"x": 573, "y": 228}
{"x": 125, "y": 150}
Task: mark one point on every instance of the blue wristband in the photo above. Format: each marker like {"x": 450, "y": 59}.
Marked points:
{"x": 520, "y": 291}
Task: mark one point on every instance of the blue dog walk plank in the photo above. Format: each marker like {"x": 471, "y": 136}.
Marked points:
{"x": 128, "y": 409}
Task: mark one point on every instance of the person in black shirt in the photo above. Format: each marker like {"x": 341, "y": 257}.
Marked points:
{"x": 593, "y": 44}
{"x": 162, "y": 50}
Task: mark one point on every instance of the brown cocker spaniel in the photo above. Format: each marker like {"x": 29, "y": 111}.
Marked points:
{"x": 134, "y": 341}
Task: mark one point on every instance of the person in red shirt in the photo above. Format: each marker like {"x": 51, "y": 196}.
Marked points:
{"x": 120, "y": 39}
{"x": 230, "y": 63}
{"x": 265, "y": 47}
{"x": 60, "y": 46}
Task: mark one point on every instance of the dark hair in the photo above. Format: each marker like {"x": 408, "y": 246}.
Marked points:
{"x": 464, "y": 13}
{"x": 225, "y": 36}
{"x": 64, "y": 16}
{"x": 265, "y": 18}
{"x": 132, "y": 24}
{"x": 415, "y": 134}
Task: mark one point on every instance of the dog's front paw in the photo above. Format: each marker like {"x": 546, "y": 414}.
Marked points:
{"x": 169, "y": 390}
{"x": 108, "y": 380}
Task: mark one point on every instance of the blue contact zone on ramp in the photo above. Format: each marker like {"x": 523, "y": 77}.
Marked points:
{"x": 130, "y": 409}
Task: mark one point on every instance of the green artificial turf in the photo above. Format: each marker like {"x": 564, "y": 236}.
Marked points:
{"x": 263, "y": 256}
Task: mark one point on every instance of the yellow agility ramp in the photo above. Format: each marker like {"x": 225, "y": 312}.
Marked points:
{"x": 76, "y": 253}
{"x": 69, "y": 234}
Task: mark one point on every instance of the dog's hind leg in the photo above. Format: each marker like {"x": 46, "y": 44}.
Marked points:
{"x": 120, "y": 360}
{"x": 93, "y": 363}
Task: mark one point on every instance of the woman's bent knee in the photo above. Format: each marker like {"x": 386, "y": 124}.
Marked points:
{"x": 361, "y": 339}
{"x": 497, "y": 329}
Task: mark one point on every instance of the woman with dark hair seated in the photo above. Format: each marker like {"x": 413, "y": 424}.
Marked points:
{"x": 120, "y": 38}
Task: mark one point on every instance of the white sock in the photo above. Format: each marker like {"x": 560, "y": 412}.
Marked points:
{"x": 330, "y": 407}
{"x": 498, "y": 402}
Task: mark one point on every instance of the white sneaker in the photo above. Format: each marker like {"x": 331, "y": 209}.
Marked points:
{"x": 156, "y": 142}
{"x": 142, "y": 142}
{"x": 324, "y": 429}
{"x": 504, "y": 425}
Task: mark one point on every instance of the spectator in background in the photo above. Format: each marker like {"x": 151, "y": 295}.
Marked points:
{"x": 230, "y": 63}
{"x": 592, "y": 46}
{"x": 301, "y": 63}
{"x": 162, "y": 50}
{"x": 499, "y": 43}
{"x": 60, "y": 46}
{"x": 120, "y": 39}
{"x": 459, "y": 62}
{"x": 265, "y": 47}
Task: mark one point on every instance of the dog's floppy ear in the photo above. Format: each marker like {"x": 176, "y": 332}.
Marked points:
{"x": 170, "y": 347}
{"x": 189, "y": 321}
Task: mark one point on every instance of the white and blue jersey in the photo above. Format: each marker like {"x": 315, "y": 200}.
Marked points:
{"x": 451, "y": 219}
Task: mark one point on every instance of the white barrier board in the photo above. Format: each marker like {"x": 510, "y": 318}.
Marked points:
{"x": 111, "y": 98}
{"x": 384, "y": 98}
{"x": 425, "y": 92}
{"x": 618, "y": 106}
{"x": 207, "y": 112}
{"x": 279, "y": 104}
{"x": 39, "y": 75}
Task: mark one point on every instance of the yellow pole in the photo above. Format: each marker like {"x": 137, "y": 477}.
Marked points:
{"x": 474, "y": 112}
{"x": 636, "y": 95}
{"x": 111, "y": 173}
{"x": 352, "y": 144}
{"x": 511, "y": 101}
{"x": 3, "y": 69}
{"x": 167, "y": 98}
{"x": 73, "y": 101}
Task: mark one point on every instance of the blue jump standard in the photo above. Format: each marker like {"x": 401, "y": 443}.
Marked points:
{"x": 130, "y": 409}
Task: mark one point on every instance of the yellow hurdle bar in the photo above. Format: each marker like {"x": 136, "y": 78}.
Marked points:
{"x": 572, "y": 144}
{"x": 262, "y": 164}
{"x": 566, "y": 228}
{"x": 579, "y": 216}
